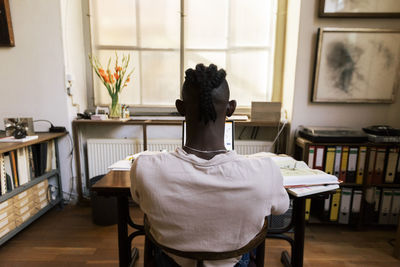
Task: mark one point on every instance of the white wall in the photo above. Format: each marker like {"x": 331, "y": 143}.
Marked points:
{"x": 348, "y": 115}
{"x": 32, "y": 73}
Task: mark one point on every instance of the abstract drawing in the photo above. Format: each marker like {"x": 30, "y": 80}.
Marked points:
{"x": 357, "y": 65}
{"x": 359, "y": 8}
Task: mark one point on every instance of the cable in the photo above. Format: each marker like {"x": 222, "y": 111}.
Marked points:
{"x": 279, "y": 133}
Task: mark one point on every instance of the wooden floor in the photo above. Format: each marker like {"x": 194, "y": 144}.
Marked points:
{"x": 69, "y": 238}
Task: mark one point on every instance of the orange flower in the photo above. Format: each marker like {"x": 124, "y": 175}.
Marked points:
{"x": 101, "y": 71}
{"x": 105, "y": 77}
{"x": 118, "y": 68}
{"x": 127, "y": 80}
{"x": 112, "y": 79}
{"x": 116, "y": 76}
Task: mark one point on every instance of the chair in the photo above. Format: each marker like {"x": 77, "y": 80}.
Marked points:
{"x": 257, "y": 242}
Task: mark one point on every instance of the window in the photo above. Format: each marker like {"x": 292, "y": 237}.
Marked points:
{"x": 237, "y": 35}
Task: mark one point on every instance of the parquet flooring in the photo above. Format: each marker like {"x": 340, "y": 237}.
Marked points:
{"x": 69, "y": 238}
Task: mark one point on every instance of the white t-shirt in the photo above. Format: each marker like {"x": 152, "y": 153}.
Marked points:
{"x": 194, "y": 204}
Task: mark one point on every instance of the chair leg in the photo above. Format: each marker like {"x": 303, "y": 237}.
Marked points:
{"x": 260, "y": 255}
{"x": 148, "y": 257}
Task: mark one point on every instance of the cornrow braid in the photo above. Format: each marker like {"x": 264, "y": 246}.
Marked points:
{"x": 206, "y": 79}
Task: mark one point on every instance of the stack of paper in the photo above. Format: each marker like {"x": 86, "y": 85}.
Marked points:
{"x": 12, "y": 139}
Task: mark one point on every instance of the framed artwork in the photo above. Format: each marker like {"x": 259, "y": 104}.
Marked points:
{"x": 6, "y": 31}
{"x": 360, "y": 8}
{"x": 357, "y": 66}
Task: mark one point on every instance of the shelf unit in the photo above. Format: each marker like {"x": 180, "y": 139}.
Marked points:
{"x": 302, "y": 149}
{"x": 53, "y": 175}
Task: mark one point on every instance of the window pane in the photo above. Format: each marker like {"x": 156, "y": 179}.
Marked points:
{"x": 113, "y": 22}
{"x": 160, "y": 73}
{"x": 194, "y": 58}
{"x": 206, "y": 24}
{"x": 131, "y": 94}
{"x": 249, "y": 76}
{"x": 251, "y": 23}
{"x": 159, "y": 23}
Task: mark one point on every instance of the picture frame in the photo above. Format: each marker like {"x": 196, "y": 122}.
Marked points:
{"x": 6, "y": 30}
{"x": 359, "y": 8}
{"x": 356, "y": 66}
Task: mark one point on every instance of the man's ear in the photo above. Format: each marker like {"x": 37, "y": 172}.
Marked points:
{"x": 230, "y": 108}
{"x": 180, "y": 107}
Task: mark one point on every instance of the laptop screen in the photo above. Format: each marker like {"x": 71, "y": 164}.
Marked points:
{"x": 229, "y": 134}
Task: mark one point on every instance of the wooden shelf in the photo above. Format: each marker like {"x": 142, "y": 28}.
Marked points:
{"x": 5, "y": 147}
{"x": 28, "y": 185}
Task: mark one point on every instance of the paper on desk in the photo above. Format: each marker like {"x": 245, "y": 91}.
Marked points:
{"x": 310, "y": 190}
{"x": 12, "y": 139}
{"x": 297, "y": 173}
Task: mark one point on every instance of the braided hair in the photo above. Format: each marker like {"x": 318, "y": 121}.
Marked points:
{"x": 205, "y": 79}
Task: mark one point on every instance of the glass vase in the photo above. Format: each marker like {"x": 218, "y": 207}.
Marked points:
{"x": 115, "y": 108}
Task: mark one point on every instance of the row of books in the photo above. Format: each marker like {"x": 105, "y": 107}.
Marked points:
{"x": 349, "y": 163}
{"x": 20, "y": 166}
{"x": 383, "y": 206}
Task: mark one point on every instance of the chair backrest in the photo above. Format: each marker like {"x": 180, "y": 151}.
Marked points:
{"x": 257, "y": 242}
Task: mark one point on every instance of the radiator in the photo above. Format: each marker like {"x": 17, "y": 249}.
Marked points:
{"x": 104, "y": 152}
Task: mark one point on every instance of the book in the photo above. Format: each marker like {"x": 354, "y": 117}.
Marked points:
{"x": 14, "y": 167}
{"x": 3, "y": 177}
{"x": 12, "y": 139}
{"x": 23, "y": 167}
{"x": 361, "y": 164}
{"x": 311, "y": 190}
{"x": 39, "y": 153}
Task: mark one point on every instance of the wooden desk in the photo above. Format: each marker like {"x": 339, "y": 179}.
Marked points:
{"x": 117, "y": 183}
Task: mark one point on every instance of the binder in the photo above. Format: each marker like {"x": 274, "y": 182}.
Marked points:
{"x": 352, "y": 165}
{"x": 311, "y": 152}
{"x": 343, "y": 164}
{"x": 371, "y": 165}
{"x": 377, "y": 201}
{"x": 361, "y": 164}
{"x": 335, "y": 206}
{"x": 3, "y": 178}
{"x": 327, "y": 205}
{"x": 385, "y": 206}
{"x": 330, "y": 159}
{"x": 319, "y": 158}
{"x": 50, "y": 155}
{"x": 308, "y": 207}
{"x": 377, "y": 177}
{"x": 394, "y": 214}
{"x": 338, "y": 159}
{"x": 14, "y": 167}
{"x": 355, "y": 206}
{"x": 344, "y": 214}
{"x": 39, "y": 152}
{"x": 397, "y": 178}
{"x": 31, "y": 163}
{"x": 391, "y": 165}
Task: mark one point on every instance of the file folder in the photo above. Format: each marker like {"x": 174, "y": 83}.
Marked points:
{"x": 371, "y": 165}
{"x": 391, "y": 165}
{"x": 319, "y": 157}
{"x": 338, "y": 159}
{"x": 344, "y": 214}
{"x": 343, "y": 164}
{"x": 335, "y": 206}
{"x": 327, "y": 205}
{"x": 397, "y": 178}
{"x": 355, "y": 206}
{"x": 377, "y": 177}
{"x": 352, "y": 165}
{"x": 385, "y": 206}
{"x": 311, "y": 153}
{"x": 394, "y": 214}
{"x": 308, "y": 207}
{"x": 361, "y": 164}
{"x": 330, "y": 159}
{"x": 377, "y": 201}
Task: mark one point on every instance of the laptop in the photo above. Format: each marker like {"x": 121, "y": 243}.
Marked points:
{"x": 229, "y": 134}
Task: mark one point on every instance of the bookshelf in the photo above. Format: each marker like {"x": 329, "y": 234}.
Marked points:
{"x": 23, "y": 204}
{"x": 370, "y": 192}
